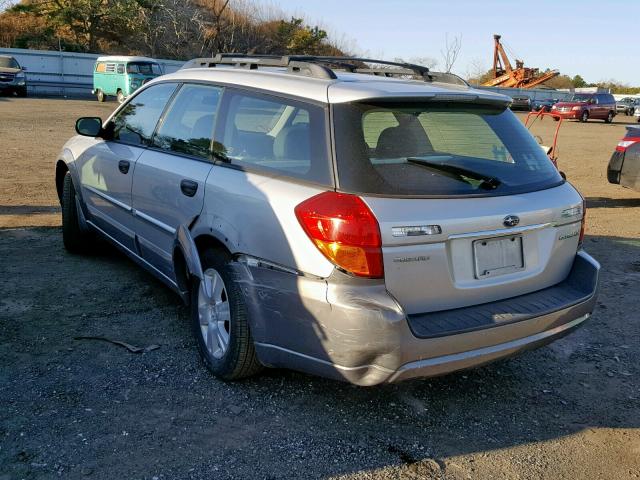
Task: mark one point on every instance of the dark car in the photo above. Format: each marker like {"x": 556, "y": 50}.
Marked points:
{"x": 624, "y": 166}
{"x": 543, "y": 104}
{"x": 521, "y": 102}
{"x": 585, "y": 106}
{"x": 12, "y": 77}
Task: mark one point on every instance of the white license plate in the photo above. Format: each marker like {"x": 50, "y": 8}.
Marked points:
{"x": 498, "y": 256}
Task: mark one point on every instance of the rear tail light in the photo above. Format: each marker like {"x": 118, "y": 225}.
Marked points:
{"x": 345, "y": 230}
{"x": 626, "y": 143}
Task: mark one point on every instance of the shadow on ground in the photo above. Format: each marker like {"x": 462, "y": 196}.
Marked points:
{"x": 73, "y": 408}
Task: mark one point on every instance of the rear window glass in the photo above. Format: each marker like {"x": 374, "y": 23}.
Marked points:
{"x": 437, "y": 149}
{"x": 277, "y": 136}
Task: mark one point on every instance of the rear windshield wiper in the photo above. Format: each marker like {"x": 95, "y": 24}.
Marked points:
{"x": 458, "y": 173}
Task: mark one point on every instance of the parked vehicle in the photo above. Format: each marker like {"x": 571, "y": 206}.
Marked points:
{"x": 624, "y": 166}
{"x": 543, "y": 104}
{"x": 13, "y": 79}
{"x": 636, "y": 110}
{"x": 521, "y": 102}
{"x": 121, "y": 76}
{"x": 585, "y": 106}
{"x": 355, "y": 226}
{"x": 626, "y": 106}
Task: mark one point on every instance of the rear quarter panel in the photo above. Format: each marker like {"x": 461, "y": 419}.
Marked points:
{"x": 254, "y": 214}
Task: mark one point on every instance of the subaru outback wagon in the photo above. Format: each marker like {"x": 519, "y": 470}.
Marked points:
{"x": 361, "y": 220}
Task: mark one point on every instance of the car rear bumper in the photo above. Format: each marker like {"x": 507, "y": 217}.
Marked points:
{"x": 357, "y": 332}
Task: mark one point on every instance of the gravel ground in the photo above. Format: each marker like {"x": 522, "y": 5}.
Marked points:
{"x": 89, "y": 409}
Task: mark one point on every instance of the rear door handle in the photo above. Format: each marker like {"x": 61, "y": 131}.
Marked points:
{"x": 188, "y": 187}
{"x": 123, "y": 166}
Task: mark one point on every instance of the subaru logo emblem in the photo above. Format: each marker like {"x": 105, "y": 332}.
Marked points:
{"x": 511, "y": 221}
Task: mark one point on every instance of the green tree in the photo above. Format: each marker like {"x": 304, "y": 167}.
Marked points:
{"x": 295, "y": 37}
{"x": 579, "y": 82}
{"x": 90, "y": 21}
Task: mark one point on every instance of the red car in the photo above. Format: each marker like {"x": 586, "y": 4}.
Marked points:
{"x": 585, "y": 106}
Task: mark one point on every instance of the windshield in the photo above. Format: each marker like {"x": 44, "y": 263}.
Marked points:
{"x": 144, "y": 68}
{"x": 8, "y": 62}
{"x": 580, "y": 97}
{"x": 437, "y": 149}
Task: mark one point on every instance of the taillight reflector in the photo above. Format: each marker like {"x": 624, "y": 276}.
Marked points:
{"x": 626, "y": 143}
{"x": 345, "y": 230}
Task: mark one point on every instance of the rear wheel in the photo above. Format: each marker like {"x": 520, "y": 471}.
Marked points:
{"x": 100, "y": 95}
{"x": 75, "y": 240}
{"x": 609, "y": 118}
{"x": 220, "y": 321}
{"x": 584, "y": 117}
{"x": 120, "y": 96}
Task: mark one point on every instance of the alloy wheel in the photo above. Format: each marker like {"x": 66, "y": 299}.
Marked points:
{"x": 214, "y": 313}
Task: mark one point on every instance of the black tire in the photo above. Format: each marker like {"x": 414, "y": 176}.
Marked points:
{"x": 584, "y": 117}
{"x": 609, "y": 118}
{"x": 22, "y": 92}
{"x": 100, "y": 95}
{"x": 75, "y": 240}
{"x": 120, "y": 96}
{"x": 240, "y": 360}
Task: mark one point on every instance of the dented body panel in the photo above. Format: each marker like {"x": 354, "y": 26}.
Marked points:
{"x": 354, "y": 330}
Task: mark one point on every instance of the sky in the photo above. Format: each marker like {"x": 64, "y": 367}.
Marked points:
{"x": 598, "y": 40}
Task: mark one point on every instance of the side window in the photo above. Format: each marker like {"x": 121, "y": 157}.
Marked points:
{"x": 137, "y": 120}
{"x": 110, "y": 68}
{"x": 120, "y": 68}
{"x": 188, "y": 126}
{"x": 278, "y": 136}
{"x": 101, "y": 67}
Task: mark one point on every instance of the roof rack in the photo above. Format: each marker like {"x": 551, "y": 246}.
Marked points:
{"x": 324, "y": 67}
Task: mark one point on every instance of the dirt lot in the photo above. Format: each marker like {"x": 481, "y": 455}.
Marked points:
{"x": 88, "y": 409}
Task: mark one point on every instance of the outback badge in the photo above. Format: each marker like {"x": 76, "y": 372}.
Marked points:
{"x": 511, "y": 221}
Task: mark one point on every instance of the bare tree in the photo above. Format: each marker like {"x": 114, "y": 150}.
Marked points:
{"x": 476, "y": 70}
{"x": 451, "y": 51}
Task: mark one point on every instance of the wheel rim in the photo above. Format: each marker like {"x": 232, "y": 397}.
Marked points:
{"x": 585, "y": 115}
{"x": 214, "y": 313}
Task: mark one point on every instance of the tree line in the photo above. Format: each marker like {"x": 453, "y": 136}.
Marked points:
{"x": 179, "y": 29}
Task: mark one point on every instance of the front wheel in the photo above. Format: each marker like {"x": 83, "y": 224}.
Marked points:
{"x": 609, "y": 118}
{"x": 100, "y": 95}
{"x": 75, "y": 240}
{"x": 120, "y": 96}
{"x": 584, "y": 117}
{"x": 220, "y": 321}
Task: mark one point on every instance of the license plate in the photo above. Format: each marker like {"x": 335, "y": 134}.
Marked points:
{"x": 498, "y": 256}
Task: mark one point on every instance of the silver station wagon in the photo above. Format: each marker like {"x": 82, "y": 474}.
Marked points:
{"x": 358, "y": 219}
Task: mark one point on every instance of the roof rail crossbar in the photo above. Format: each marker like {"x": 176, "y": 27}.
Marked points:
{"x": 253, "y": 62}
{"x": 324, "y": 66}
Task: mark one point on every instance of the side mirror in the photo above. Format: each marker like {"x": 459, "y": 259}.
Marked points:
{"x": 89, "y": 126}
